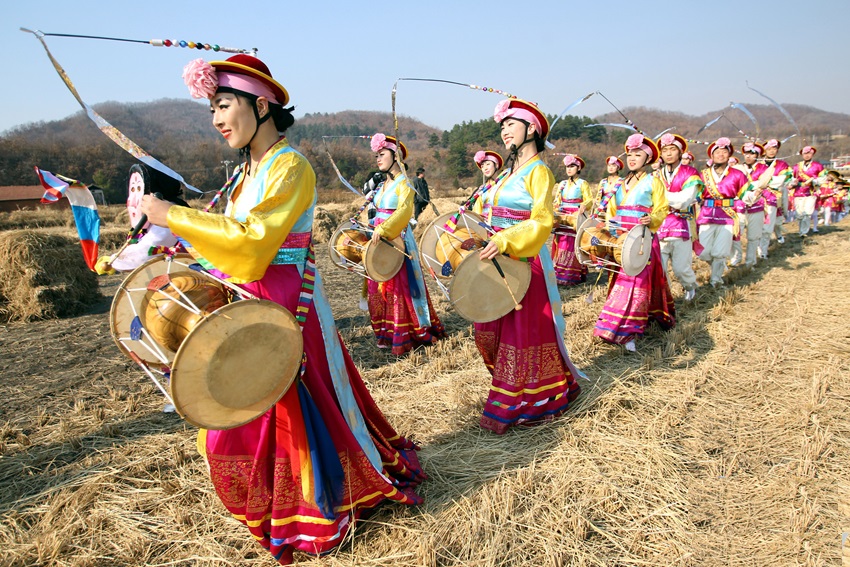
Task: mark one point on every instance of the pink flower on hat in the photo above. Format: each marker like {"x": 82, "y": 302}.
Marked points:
{"x": 201, "y": 78}
{"x": 668, "y": 140}
{"x": 378, "y": 142}
{"x": 480, "y": 156}
{"x": 570, "y": 159}
{"x": 613, "y": 160}
{"x": 634, "y": 142}
{"x": 774, "y": 143}
{"x": 501, "y": 111}
{"x": 807, "y": 149}
{"x": 723, "y": 142}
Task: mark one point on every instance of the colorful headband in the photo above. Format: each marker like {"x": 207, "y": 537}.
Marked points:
{"x": 481, "y": 156}
{"x": 614, "y": 160}
{"x": 522, "y": 110}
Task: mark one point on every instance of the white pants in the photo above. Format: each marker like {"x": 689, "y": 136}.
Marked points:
{"x": 717, "y": 240}
{"x": 827, "y": 215}
{"x": 681, "y": 253}
{"x": 805, "y": 207}
{"x": 754, "y": 223}
{"x": 771, "y": 226}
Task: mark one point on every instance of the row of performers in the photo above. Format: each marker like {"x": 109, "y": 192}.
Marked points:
{"x": 324, "y": 455}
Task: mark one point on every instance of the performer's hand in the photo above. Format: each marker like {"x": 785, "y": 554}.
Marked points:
{"x": 645, "y": 220}
{"x": 376, "y": 237}
{"x": 490, "y": 251}
{"x": 156, "y": 210}
{"x": 103, "y": 266}
{"x": 581, "y": 209}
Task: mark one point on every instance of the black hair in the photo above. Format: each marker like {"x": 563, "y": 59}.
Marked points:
{"x": 280, "y": 115}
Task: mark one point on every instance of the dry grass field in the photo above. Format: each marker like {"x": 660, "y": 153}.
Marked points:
{"x": 725, "y": 441}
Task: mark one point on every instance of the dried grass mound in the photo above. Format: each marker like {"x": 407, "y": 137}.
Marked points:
{"x": 324, "y": 224}
{"x": 43, "y": 276}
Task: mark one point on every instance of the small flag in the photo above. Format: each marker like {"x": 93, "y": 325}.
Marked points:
{"x": 82, "y": 205}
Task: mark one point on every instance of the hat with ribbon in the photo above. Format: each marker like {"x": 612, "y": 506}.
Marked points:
{"x": 241, "y": 72}
{"x": 572, "y": 159}
{"x": 614, "y": 160}
{"x": 752, "y": 148}
{"x": 380, "y": 141}
{"x": 673, "y": 140}
{"x": 641, "y": 142}
{"x": 488, "y": 155}
{"x": 522, "y": 110}
{"x": 722, "y": 142}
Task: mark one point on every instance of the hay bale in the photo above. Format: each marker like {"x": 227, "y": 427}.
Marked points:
{"x": 324, "y": 224}
{"x": 43, "y": 276}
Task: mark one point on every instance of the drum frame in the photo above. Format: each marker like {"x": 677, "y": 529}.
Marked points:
{"x": 359, "y": 268}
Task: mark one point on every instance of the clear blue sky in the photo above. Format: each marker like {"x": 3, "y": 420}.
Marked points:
{"x": 334, "y": 56}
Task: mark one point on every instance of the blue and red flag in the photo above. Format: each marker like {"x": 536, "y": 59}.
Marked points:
{"x": 82, "y": 205}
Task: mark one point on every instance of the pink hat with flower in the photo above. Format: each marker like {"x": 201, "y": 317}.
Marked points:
{"x": 641, "y": 142}
{"x": 723, "y": 142}
{"x": 522, "y": 110}
{"x": 614, "y": 160}
{"x": 673, "y": 140}
{"x": 488, "y": 155}
{"x": 572, "y": 159}
{"x": 241, "y": 72}
{"x": 380, "y": 141}
{"x": 808, "y": 149}
{"x": 752, "y": 148}
{"x": 689, "y": 155}
{"x": 773, "y": 143}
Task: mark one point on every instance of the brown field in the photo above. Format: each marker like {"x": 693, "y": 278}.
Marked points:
{"x": 723, "y": 442}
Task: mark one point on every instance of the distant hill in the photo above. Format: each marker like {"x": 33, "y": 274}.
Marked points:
{"x": 179, "y": 133}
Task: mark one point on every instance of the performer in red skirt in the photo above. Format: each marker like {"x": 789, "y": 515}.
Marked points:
{"x": 299, "y": 475}
{"x": 635, "y": 300}
{"x": 572, "y": 197}
{"x": 533, "y": 379}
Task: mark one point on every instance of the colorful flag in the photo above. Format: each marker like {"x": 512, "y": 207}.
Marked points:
{"x": 82, "y": 205}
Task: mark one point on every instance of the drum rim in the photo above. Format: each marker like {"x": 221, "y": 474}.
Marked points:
{"x": 633, "y": 238}
{"x": 184, "y": 351}
{"x": 122, "y": 291}
{"x": 336, "y": 257}
{"x": 369, "y": 255}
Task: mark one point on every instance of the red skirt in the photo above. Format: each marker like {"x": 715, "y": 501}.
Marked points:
{"x": 531, "y": 382}
{"x": 568, "y": 269}
{"x": 393, "y": 317}
{"x": 268, "y": 472}
{"x": 635, "y": 300}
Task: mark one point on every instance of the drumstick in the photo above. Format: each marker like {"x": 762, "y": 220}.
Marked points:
{"x": 399, "y": 250}
{"x": 517, "y": 306}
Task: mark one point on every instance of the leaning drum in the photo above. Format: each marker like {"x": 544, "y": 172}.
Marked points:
{"x": 475, "y": 287}
{"x": 595, "y": 246}
{"x": 351, "y": 248}
{"x": 168, "y": 315}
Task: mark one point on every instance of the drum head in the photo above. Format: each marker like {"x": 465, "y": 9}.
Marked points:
{"x": 582, "y": 255}
{"x": 236, "y": 364}
{"x": 431, "y": 237}
{"x": 131, "y": 293}
{"x": 382, "y": 261}
{"x": 637, "y": 248}
{"x": 478, "y": 292}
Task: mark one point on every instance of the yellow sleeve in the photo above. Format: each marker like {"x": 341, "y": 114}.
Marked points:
{"x": 556, "y": 196}
{"x": 586, "y": 195}
{"x": 244, "y": 250}
{"x": 660, "y": 208}
{"x": 396, "y": 222}
{"x": 611, "y": 211}
{"x": 478, "y": 205}
{"x": 526, "y": 238}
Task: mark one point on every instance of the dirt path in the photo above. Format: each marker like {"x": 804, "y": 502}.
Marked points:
{"x": 724, "y": 442}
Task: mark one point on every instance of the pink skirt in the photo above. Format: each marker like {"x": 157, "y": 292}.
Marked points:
{"x": 530, "y": 380}
{"x": 568, "y": 270}
{"x": 296, "y": 476}
{"x": 634, "y": 301}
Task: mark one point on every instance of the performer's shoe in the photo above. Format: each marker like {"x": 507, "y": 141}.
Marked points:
{"x": 169, "y": 408}
{"x": 734, "y": 262}
{"x": 630, "y": 346}
{"x": 690, "y": 294}
{"x": 781, "y": 240}
{"x": 364, "y": 305}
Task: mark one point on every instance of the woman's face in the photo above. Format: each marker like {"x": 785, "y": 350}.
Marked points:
{"x": 612, "y": 169}
{"x": 750, "y": 158}
{"x": 384, "y": 160}
{"x": 514, "y": 132}
{"x": 636, "y": 159}
{"x": 234, "y": 118}
{"x": 686, "y": 160}
{"x": 488, "y": 168}
{"x": 572, "y": 170}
